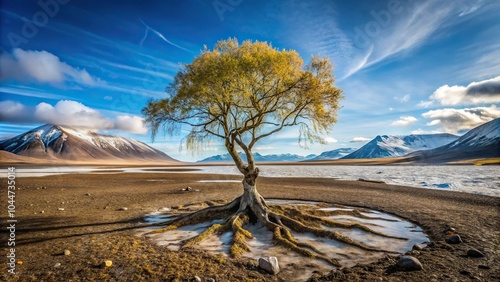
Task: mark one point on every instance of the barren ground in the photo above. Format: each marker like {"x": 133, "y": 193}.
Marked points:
{"x": 93, "y": 228}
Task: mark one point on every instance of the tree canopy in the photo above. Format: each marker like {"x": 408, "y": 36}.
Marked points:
{"x": 241, "y": 94}
{"x": 244, "y": 92}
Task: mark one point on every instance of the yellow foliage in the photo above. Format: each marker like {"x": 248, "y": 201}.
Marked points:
{"x": 246, "y": 92}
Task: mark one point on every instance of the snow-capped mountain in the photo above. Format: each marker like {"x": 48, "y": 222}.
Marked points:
{"x": 480, "y": 142}
{"x": 259, "y": 158}
{"x": 384, "y": 146}
{"x": 334, "y": 154}
{"x": 67, "y": 143}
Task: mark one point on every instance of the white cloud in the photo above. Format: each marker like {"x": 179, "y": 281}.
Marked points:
{"x": 13, "y": 110}
{"x": 421, "y": 131}
{"x": 41, "y": 66}
{"x": 108, "y": 98}
{"x": 134, "y": 124}
{"x": 331, "y": 140}
{"x": 360, "y": 139}
{"x": 404, "y": 121}
{"x": 403, "y": 99}
{"x": 70, "y": 113}
{"x": 425, "y": 104}
{"x": 482, "y": 92}
{"x": 456, "y": 120}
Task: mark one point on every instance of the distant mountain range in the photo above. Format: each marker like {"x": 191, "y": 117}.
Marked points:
{"x": 334, "y": 154}
{"x": 480, "y": 142}
{"x": 56, "y": 142}
{"x": 259, "y": 158}
{"x": 384, "y": 146}
{"x": 53, "y": 142}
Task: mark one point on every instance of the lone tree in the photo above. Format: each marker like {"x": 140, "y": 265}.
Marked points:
{"x": 242, "y": 93}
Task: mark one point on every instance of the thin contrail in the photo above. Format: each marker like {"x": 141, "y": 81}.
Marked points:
{"x": 148, "y": 28}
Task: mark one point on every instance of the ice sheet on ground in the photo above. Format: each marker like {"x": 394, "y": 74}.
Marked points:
{"x": 262, "y": 243}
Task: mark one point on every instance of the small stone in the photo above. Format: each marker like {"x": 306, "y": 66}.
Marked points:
{"x": 60, "y": 209}
{"x": 269, "y": 264}
{"x": 416, "y": 247}
{"x": 409, "y": 263}
{"x": 43, "y": 187}
{"x": 107, "y": 263}
{"x": 196, "y": 279}
{"x": 57, "y": 264}
{"x": 123, "y": 209}
{"x": 449, "y": 230}
{"x": 67, "y": 252}
{"x": 187, "y": 189}
{"x": 454, "y": 239}
{"x": 474, "y": 253}
{"x": 87, "y": 194}
{"x": 465, "y": 272}
{"x": 209, "y": 279}
{"x": 42, "y": 212}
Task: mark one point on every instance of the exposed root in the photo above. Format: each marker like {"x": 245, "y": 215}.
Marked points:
{"x": 300, "y": 248}
{"x": 240, "y": 235}
{"x": 299, "y": 227}
{"x": 326, "y": 213}
{"x": 215, "y": 228}
{"x": 200, "y": 216}
{"x": 316, "y": 221}
{"x": 281, "y": 220}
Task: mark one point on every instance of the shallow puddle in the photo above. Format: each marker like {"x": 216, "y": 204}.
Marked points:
{"x": 302, "y": 267}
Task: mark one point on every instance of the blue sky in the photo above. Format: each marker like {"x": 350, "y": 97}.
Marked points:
{"x": 404, "y": 66}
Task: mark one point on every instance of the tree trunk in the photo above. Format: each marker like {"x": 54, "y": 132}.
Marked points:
{"x": 251, "y": 200}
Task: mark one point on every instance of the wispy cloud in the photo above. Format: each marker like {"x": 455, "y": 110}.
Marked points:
{"x": 148, "y": 28}
{"x": 360, "y": 139}
{"x": 30, "y": 92}
{"x": 405, "y": 31}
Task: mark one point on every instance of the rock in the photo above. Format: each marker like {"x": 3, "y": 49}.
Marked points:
{"x": 57, "y": 264}
{"x": 474, "y": 253}
{"x": 209, "y": 279}
{"x": 188, "y": 189}
{"x": 465, "y": 272}
{"x": 409, "y": 263}
{"x": 123, "y": 209}
{"x": 87, "y": 194}
{"x": 106, "y": 263}
{"x": 42, "y": 212}
{"x": 454, "y": 239}
{"x": 269, "y": 264}
{"x": 416, "y": 247}
{"x": 196, "y": 279}
{"x": 60, "y": 209}
{"x": 67, "y": 252}
{"x": 449, "y": 230}
{"x": 43, "y": 187}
